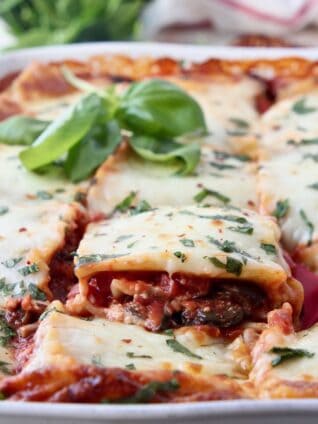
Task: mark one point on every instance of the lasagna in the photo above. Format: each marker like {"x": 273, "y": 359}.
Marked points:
{"x": 158, "y": 231}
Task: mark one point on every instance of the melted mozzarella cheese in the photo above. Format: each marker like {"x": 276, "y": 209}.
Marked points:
{"x": 302, "y": 368}
{"x": 35, "y": 212}
{"x": 293, "y": 176}
{"x": 184, "y": 240}
{"x": 65, "y": 340}
{"x": 228, "y": 105}
{"x": 29, "y": 236}
{"x": 231, "y": 178}
{"x": 293, "y": 119}
{"x": 19, "y": 185}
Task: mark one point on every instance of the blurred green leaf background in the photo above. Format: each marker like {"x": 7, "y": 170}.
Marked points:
{"x": 43, "y": 22}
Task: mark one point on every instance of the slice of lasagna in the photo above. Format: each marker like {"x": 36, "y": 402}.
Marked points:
{"x": 284, "y": 362}
{"x": 40, "y": 224}
{"x": 75, "y": 359}
{"x": 172, "y": 267}
{"x": 288, "y": 186}
{"x": 126, "y": 181}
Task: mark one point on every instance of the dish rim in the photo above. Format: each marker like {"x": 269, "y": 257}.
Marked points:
{"x": 15, "y": 60}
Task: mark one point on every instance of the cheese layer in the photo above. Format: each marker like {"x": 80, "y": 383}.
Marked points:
{"x": 192, "y": 240}
{"x": 230, "y": 179}
{"x": 66, "y": 340}
{"x": 293, "y": 177}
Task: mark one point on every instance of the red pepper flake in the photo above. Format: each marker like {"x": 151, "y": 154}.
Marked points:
{"x": 22, "y": 229}
{"x": 126, "y": 340}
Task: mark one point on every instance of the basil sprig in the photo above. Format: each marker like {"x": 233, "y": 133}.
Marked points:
{"x": 153, "y": 111}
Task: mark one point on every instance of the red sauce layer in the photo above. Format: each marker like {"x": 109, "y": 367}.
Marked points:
{"x": 161, "y": 301}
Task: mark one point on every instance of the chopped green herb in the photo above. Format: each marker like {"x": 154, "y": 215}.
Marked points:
{"x": 126, "y": 203}
{"x": 286, "y": 353}
{"x": 180, "y": 255}
{"x": 232, "y": 265}
{"x": 5, "y": 288}
{"x": 134, "y": 355}
{"x": 142, "y": 206}
{"x": 11, "y": 263}
{"x": 282, "y": 208}
{"x": 4, "y": 367}
{"x": 97, "y": 361}
{"x": 3, "y": 210}
{"x": 244, "y": 229}
{"x": 228, "y": 246}
{"x": 309, "y": 225}
{"x": 240, "y": 123}
{"x": 123, "y": 238}
{"x": 300, "y": 107}
{"x": 303, "y": 142}
{"x": 270, "y": 249}
{"x": 79, "y": 197}
{"x": 149, "y": 391}
{"x": 178, "y": 347}
{"x": 132, "y": 244}
{"x": 237, "y": 133}
{"x": 130, "y": 367}
{"x": 314, "y": 186}
{"x": 36, "y": 293}
{"x": 47, "y": 312}
{"x": 29, "y": 269}
{"x": 222, "y": 166}
{"x": 44, "y": 195}
{"x": 6, "y": 332}
{"x": 2, "y": 396}
{"x": 87, "y": 259}
{"x": 199, "y": 197}
{"x": 187, "y": 242}
{"x": 169, "y": 332}
{"x": 225, "y": 155}
{"x": 312, "y": 156}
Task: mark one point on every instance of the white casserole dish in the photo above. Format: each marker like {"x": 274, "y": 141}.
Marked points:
{"x": 238, "y": 412}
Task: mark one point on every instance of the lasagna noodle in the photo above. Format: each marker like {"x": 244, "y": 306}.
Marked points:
{"x": 292, "y": 178}
{"x": 229, "y": 177}
{"x": 294, "y": 377}
{"x": 189, "y": 241}
{"x": 68, "y": 341}
{"x": 36, "y": 213}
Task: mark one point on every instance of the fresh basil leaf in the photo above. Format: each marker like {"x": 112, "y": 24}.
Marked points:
{"x": 159, "y": 108}
{"x": 287, "y": 353}
{"x": 21, "y": 130}
{"x": 100, "y": 142}
{"x": 63, "y": 133}
{"x": 156, "y": 150}
{"x": 178, "y": 347}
